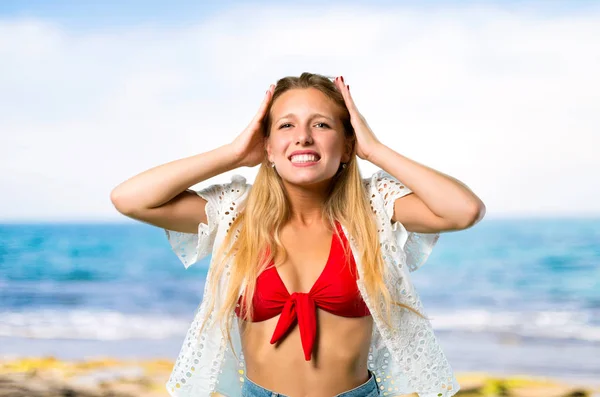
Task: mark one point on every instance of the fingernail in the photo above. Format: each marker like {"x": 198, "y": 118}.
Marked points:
{"x": 342, "y": 78}
{"x": 348, "y": 87}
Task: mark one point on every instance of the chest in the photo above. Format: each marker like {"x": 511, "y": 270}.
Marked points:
{"x": 306, "y": 257}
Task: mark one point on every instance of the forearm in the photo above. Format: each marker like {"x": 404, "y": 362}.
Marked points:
{"x": 158, "y": 185}
{"x": 444, "y": 195}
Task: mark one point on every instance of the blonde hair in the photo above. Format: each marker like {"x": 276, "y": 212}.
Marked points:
{"x": 262, "y": 215}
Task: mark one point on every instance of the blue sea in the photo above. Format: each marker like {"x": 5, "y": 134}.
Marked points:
{"x": 506, "y": 296}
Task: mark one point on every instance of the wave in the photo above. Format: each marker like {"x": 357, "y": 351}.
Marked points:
{"x": 574, "y": 325}
{"x": 113, "y": 325}
{"x": 90, "y": 325}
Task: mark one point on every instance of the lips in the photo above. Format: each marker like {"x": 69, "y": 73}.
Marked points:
{"x": 297, "y": 152}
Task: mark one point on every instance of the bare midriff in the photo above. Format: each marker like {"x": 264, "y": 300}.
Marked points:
{"x": 338, "y": 364}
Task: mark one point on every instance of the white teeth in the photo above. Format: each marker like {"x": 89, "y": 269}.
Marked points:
{"x": 303, "y": 158}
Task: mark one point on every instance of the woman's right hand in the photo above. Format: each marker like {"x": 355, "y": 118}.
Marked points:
{"x": 249, "y": 145}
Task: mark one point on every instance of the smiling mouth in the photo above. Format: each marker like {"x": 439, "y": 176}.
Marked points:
{"x": 304, "y": 158}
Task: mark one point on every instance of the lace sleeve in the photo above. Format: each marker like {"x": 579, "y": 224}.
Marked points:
{"x": 417, "y": 246}
{"x": 192, "y": 247}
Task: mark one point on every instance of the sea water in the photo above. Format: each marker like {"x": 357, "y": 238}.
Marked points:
{"x": 508, "y": 295}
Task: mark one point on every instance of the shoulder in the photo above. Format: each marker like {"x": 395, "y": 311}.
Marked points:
{"x": 227, "y": 192}
{"x": 237, "y": 187}
{"x": 383, "y": 189}
{"x": 382, "y": 181}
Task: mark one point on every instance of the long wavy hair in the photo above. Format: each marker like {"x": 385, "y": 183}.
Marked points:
{"x": 267, "y": 209}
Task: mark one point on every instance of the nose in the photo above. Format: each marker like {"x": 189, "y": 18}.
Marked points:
{"x": 304, "y": 136}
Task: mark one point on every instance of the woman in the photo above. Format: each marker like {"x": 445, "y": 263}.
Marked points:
{"x": 308, "y": 291}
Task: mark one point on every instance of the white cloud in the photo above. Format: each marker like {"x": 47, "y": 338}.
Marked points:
{"x": 507, "y": 102}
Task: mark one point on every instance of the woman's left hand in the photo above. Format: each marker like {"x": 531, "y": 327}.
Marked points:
{"x": 366, "y": 141}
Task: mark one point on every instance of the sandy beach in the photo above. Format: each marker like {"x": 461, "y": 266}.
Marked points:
{"x": 51, "y": 377}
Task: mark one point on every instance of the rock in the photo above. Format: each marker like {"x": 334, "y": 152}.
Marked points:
{"x": 127, "y": 389}
{"x": 471, "y": 384}
{"x": 548, "y": 391}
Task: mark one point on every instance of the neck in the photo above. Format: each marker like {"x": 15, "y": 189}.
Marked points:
{"x": 306, "y": 204}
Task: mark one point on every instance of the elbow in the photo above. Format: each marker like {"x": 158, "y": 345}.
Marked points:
{"x": 472, "y": 215}
{"x": 469, "y": 216}
{"x": 121, "y": 202}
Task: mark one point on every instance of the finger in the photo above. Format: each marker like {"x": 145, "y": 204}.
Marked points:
{"x": 262, "y": 110}
{"x": 344, "y": 89}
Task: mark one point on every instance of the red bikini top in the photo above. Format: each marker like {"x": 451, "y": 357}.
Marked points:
{"x": 334, "y": 291}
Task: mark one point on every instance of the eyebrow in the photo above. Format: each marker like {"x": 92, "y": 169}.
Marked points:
{"x": 312, "y": 116}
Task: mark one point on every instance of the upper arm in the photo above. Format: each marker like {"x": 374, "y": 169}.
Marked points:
{"x": 414, "y": 228}
{"x": 189, "y": 220}
{"x": 412, "y": 212}
{"x": 183, "y": 213}
{"x": 403, "y": 206}
{"x": 186, "y": 211}
{"x": 218, "y": 204}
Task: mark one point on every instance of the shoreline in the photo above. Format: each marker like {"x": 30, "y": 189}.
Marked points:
{"x": 499, "y": 355}
{"x": 50, "y": 376}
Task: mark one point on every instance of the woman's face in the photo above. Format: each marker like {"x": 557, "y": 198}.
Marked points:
{"x": 306, "y": 120}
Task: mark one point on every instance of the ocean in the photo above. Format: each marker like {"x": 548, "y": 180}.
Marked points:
{"x": 506, "y": 296}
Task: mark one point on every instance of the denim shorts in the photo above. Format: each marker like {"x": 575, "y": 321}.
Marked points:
{"x": 367, "y": 389}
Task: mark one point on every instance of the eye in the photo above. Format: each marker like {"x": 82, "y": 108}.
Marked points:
{"x": 324, "y": 124}
{"x": 283, "y": 125}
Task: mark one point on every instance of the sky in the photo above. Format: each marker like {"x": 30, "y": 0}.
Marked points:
{"x": 503, "y": 96}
